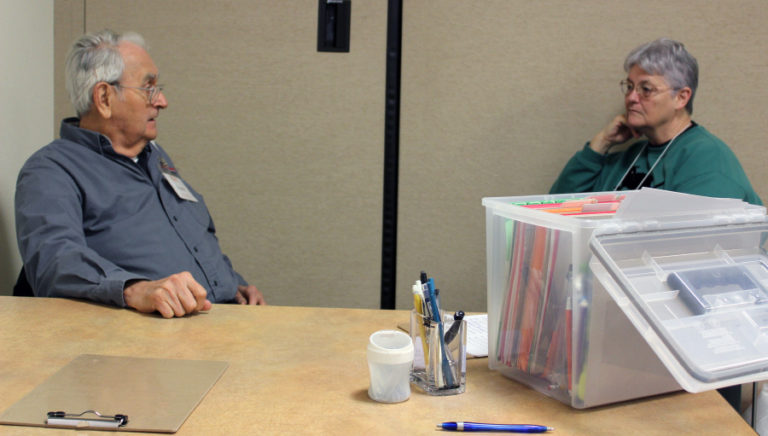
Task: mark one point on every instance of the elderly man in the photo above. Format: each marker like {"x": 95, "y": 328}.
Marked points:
{"x": 102, "y": 213}
{"x": 674, "y": 153}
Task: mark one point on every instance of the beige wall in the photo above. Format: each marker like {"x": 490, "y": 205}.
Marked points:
{"x": 498, "y": 94}
{"x": 26, "y": 109}
{"x": 286, "y": 143}
{"x": 283, "y": 142}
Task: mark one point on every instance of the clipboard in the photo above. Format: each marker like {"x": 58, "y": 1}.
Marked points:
{"x": 153, "y": 395}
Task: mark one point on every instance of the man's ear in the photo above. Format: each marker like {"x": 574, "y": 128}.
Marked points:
{"x": 103, "y": 97}
{"x": 683, "y": 96}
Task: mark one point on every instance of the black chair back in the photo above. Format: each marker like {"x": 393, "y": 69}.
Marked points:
{"x": 22, "y": 287}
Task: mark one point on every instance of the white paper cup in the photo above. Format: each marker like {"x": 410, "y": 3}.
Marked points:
{"x": 390, "y": 358}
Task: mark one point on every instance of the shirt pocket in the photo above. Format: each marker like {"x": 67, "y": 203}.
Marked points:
{"x": 198, "y": 210}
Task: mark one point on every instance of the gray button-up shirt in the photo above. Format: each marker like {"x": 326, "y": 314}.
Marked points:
{"x": 89, "y": 219}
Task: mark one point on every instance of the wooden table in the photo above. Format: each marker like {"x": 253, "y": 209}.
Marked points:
{"x": 301, "y": 370}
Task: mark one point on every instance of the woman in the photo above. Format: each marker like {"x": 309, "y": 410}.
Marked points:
{"x": 674, "y": 153}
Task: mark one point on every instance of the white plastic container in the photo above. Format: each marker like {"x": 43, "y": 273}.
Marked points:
{"x": 390, "y": 358}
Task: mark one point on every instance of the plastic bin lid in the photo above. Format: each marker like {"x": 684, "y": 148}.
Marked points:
{"x": 698, "y": 295}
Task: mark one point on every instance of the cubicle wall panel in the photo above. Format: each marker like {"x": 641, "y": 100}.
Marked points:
{"x": 287, "y": 143}
{"x": 498, "y": 95}
{"x": 69, "y": 22}
{"x": 284, "y": 143}
{"x": 26, "y": 103}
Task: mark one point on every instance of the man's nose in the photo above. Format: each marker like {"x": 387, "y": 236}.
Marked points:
{"x": 161, "y": 101}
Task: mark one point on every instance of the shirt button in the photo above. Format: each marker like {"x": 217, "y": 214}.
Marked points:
{"x": 215, "y": 283}
{"x": 175, "y": 218}
{"x": 195, "y": 248}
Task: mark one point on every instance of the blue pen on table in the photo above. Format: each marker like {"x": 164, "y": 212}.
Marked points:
{"x": 479, "y": 426}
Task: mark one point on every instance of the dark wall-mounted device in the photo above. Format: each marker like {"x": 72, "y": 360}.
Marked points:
{"x": 333, "y": 19}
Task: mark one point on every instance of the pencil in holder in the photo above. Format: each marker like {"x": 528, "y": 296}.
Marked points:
{"x": 440, "y": 354}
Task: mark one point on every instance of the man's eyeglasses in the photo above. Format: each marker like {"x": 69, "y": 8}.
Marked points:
{"x": 644, "y": 89}
{"x": 152, "y": 91}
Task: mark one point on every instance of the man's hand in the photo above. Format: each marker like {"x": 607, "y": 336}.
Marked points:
{"x": 249, "y": 295}
{"x": 175, "y": 295}
{"x": 616, "y": 132}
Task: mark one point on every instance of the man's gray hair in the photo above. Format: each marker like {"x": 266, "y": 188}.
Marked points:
{"x": 670, "y": 59}
{"x": 95, "y": 58}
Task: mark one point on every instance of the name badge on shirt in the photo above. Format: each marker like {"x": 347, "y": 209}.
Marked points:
{"x": 176, "y": 183}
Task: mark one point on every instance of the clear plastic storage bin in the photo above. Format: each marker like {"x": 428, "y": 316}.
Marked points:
{"x": 593, "y": 307}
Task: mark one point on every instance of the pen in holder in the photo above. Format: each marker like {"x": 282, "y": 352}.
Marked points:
{"x": 440, "y": 362}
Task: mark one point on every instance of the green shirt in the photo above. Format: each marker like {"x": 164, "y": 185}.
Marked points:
{"x": 696, "y": 162}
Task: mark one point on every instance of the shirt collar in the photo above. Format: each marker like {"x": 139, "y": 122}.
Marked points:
{"x": 662, "y": 145}
{"x": 71, "y": 130}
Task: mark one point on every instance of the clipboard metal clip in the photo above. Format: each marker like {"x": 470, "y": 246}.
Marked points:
{"x": 72, "y": 420}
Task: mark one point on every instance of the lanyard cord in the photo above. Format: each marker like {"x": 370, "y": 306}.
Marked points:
{"x": 621, "y": 180}
{"x": 663, "y": 152}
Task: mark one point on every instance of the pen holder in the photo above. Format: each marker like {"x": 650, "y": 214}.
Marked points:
{"x": 440, "y": 354}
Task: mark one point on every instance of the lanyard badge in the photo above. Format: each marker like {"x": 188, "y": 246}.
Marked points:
{"x": 170, "y": 175}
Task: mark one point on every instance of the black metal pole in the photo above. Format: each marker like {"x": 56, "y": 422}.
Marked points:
{"x": 391, "y": 155}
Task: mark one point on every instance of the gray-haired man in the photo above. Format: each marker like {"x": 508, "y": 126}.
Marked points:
{"x": 102, "y": 213}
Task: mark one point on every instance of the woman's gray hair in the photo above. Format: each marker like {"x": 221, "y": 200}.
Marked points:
{"x": 95, "y": 58}
{"x": 670, "y": 59}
